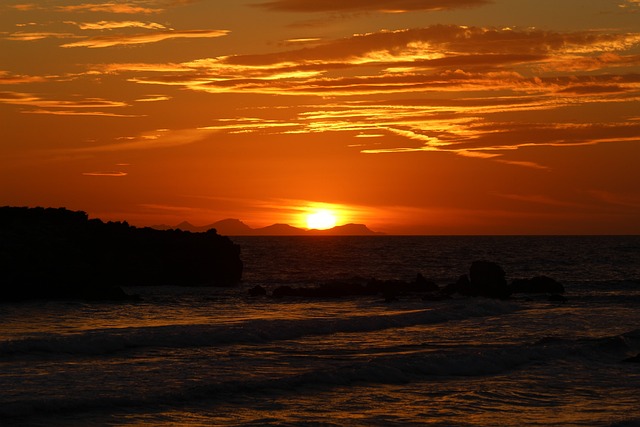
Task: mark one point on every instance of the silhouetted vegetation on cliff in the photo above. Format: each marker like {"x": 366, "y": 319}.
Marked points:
{"x": 58, "y": 253}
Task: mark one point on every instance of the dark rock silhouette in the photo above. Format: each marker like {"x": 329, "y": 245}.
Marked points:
{"x": 557, "y": 298}
{"x": 424, "y": 285}
{"x": 485, "y": 279}
{"x": 488, "y": 280}
{"x": 462, "y": 286}
{"x": 257, "y": 291}
{"x": 634, "y": 359}
{"x": 57, "y": 253}
{"x": 538, "y": 284}
{"x": 390, "y": 290}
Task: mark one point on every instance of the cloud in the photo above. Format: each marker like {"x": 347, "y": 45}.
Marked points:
{"x": 81, "y": 113}
{"x": 111, "y": 25}
{"x": 304, "y": 40}
{"x": 154, "y": 98}
{"x": 632, "y": 6}
{"x": 525, "y": 164}
{"x": 438, "y": 58}
{"x": 20, "y": 98}
{"x": 24, "y": 7}
{"x": 595, "y": 89}
{"x": 30, "y": 36}
{"x": 251, "y": 125}
{"x": 116, "y": 40}
{"x": 443, "y": 88}
{"x": 421, "y": 127}
{"x": 162, "y": 138}
{"x": 441, "y": 41}
{"x": 109, "y": 7}
{"x": 10, "y": 79}
{"x": 367, "y": 5}
{"x": 108, "y": 174}
{"x": 132, "y": 7}
{"x": 591, "y": 63}
{"x": 140, "y": 67}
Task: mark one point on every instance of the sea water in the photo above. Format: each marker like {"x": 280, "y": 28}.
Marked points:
{"x": 216, "y": 356}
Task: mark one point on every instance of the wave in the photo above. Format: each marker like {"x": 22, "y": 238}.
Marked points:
{"x": 106, "y": 341}
{"x": 399, "y": 368}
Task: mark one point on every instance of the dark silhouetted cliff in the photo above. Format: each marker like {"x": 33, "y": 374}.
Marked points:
{"x": 57, "y": 253}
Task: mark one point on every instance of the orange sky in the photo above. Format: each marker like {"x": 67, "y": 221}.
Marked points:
{"x": 411, "y": 116}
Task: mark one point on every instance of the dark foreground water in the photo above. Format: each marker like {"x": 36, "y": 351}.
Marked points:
{"x": 203, "y": 357}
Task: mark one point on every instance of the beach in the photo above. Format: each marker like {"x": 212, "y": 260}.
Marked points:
{"x": 217, "y": 356}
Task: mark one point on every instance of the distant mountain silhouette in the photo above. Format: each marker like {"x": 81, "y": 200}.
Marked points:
{"x": 279, "y": 230}
{"x": 185, "y": 226}
{"x": 235, "y": 227}
{"x": 346, "y": 230}
{"x": 232, "y": 227}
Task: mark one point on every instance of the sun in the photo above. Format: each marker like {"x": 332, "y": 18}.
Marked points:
{"x": 321, "y": 220}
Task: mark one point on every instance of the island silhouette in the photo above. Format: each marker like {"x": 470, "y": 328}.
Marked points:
{"x": 235, "y": 227}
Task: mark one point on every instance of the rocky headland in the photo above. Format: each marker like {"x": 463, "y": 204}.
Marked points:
{"x": 48, "y": 253}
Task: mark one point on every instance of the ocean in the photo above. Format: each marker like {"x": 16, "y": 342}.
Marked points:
{"x": 186, "y": 356}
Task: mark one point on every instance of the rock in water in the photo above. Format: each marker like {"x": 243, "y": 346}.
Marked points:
{"x": 488, "y": 280}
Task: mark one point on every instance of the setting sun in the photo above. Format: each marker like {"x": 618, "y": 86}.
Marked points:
{"x": 321, "y": 220}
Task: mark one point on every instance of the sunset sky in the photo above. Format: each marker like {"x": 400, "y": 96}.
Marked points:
{"x": 410, "y": 116}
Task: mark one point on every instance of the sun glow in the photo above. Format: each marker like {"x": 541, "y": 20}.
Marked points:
{"x": 321, "y": 219}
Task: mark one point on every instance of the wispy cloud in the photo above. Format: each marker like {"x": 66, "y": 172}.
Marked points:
{"x": 392, "y": 6}
{"x": 23, "y": 7}
{"x": 501, "y": 66}
{"x": 30, "y": 36}
{"x": 131, "y": 7}
{"x": 112, "y": 25}
{"x": 110, "y": 7}
{"x": 632, "y": 6}
{"x": 438, "y": 58}
{"x": 116, "y": 40}
{"x": 10, "y": 79}
{"x": 81, "y": 113}
{"x": 154, "y": 98}
{"x": 20, "y": 98}
{"x": 113, "y": 174}
{"x": 523, "y": 163}
{"x": 251, "y": 124}
{"x": 305, "y": 40}
{"x": 438, "y": 88}
{"x": 403, "y": 128}
{"x": 161, "y": 138}
{"x": 139, "y": 68}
